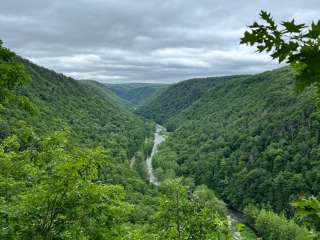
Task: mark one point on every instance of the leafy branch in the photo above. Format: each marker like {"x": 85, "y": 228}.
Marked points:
{"x": 296, "y": 44}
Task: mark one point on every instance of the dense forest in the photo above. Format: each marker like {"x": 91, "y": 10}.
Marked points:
{"x": 178, "y": 97}
{"x": 252, "y": 139}
{"x": 72, "y": 166}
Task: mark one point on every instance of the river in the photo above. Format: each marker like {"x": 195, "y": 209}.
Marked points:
{"x": 158, "y": 139}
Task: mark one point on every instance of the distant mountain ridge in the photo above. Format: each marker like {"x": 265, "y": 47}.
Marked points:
{"x": 115, "y": 98}
{"x": 179, "y": 96}
{"x": 137, "y": 93}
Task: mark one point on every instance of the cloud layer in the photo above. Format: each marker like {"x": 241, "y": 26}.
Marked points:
{"x": 142, "y": 41}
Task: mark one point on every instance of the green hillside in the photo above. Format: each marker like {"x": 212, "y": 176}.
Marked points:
{"x": 178, "y": 97}
{"x": 92, "y": 115}
{"x": 252, "y": 139}
{"x": 77, "y": 129}
{"x": 137, "y": 93}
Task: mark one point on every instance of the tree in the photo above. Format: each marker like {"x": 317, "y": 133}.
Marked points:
{"x": 308, "y": 212}
{"x": 297, "y": 44}
{"x": 52, "y": 191}
{"x": 276, "y": 227}
{"x": 12, "y": 73}
{"x": 185, "y": 215}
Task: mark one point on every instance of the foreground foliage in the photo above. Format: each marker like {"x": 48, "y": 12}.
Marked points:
{"x": 186, "y": 215}
{"x": 57, "y": 195}
{"x": 308, "y": 212}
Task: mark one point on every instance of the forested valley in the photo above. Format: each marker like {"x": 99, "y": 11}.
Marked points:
{"x": 238, "y": 157}
{"x": 250, "y": 138}
{"x": 72, "y": 165}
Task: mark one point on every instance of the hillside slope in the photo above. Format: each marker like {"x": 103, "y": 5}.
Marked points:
{"x": 253, "y": 139}
{"x": 178, "y": 97}
{"x": 93, "y": 116}
{"x": 137, "y": 93}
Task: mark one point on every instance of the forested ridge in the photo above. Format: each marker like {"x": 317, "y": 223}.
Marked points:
{"x": 178, "y": 97}
{"x": 90, "y": 114}
{"x": 252, "y": 139}
{"x": 137, "y": 93}
{"x": 115, "y": 98}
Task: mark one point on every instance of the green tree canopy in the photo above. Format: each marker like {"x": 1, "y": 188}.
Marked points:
{"x": 12, "y": 73}
{"x": 185, "y": 215}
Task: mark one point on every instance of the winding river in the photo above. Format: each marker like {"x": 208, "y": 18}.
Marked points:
{"x": 158, "y": 139}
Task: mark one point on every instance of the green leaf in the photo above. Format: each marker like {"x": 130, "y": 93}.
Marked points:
{"x": 291, "y": 27}
{"x": 248, "y": 38}
{"x": 314, "y": 32}
{"x": 267, "y": 17}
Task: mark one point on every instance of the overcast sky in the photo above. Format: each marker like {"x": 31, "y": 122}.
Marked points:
{"x": 144, "y": 40}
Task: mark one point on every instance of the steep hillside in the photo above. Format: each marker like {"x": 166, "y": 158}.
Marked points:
{"x": 252, "y": 139}
{"x": 93, "y": 116}
{"x": 137, "y": 93}
{"x": 178, "y": 97}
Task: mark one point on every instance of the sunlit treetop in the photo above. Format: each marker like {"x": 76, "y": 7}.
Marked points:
{"x": 296, "y": 44}
{"x": 12, "y": 74}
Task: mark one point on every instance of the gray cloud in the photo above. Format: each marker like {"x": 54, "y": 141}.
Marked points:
{"x": 142, "y": 41}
